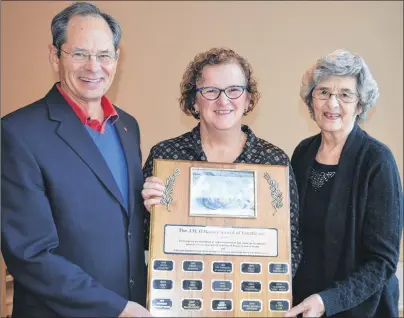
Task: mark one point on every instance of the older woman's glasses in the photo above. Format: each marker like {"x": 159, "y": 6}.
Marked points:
{"x": 343, "y": 97}
{"x": 213, "y": 93}
{"x": 104, "y": 57}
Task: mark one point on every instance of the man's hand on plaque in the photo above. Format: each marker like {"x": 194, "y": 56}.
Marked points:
{"x": 312, "y": 306}
{"x": 152, "y": 192}
{"x": 133, "y": 309}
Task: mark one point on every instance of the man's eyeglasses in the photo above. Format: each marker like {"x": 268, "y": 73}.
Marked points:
{"x": 213, "y": 93}
{"x": 344, "y": 97}
{"x": 105, "y": 57}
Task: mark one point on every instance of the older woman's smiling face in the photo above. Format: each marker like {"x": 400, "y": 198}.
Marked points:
{"x": 338, "y": 113}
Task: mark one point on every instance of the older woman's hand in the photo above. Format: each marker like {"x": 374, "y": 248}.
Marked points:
{"x": 312, "y": 306}
{"x": 152, "y": 192}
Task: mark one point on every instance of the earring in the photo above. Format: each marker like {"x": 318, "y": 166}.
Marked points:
{"x": 197, "y": 112}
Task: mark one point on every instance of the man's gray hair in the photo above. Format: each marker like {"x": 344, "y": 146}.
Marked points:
{"x": 341, "y": 63}
{"x": 61, "y": 20}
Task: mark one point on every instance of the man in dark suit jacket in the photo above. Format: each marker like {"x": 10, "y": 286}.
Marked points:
{"x": 72, "y": 213}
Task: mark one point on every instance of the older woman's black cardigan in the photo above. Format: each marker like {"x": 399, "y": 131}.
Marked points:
{"x": 363, "y": 226}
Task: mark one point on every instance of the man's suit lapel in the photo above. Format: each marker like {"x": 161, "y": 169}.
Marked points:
{"x": 72, "y": 131}
{"x": 129, "y": 147}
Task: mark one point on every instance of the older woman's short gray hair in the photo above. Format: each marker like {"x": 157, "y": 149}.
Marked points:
{"x": 341, "y": 63}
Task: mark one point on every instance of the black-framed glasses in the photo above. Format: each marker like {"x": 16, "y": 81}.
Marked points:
{"x": 344, "y": 97}
{"x": 80, "y": 55}
{"x": 213, "y": 93}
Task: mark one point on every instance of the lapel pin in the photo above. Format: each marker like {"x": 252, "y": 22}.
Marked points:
{"x": 126, "y": 129}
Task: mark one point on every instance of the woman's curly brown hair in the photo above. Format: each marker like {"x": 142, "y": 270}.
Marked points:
{"x": 193, "y": 74}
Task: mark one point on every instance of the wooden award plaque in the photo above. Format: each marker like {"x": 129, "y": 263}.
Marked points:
{"x": 220, "y": 241}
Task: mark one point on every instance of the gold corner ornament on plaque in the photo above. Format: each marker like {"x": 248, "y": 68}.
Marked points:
{"x": 168, "y": 189}
{"x": 219, "y": 253}
{"x": 276, "y": 194}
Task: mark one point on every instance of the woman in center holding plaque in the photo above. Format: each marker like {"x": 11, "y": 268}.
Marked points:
{"x": 218, "y": 89}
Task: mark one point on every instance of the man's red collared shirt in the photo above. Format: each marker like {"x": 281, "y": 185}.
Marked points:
{"x": 108, "y": 108}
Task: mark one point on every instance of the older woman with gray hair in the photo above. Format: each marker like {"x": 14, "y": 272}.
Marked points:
{"x": 351, "y": 199}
